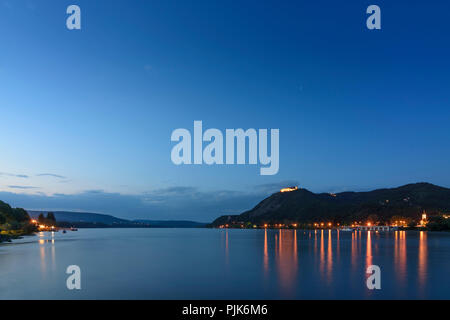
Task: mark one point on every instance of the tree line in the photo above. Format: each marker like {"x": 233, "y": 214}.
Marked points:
{"x": 50, "y": 220}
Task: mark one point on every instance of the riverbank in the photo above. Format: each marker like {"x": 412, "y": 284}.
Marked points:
{"x": 8, "y": 236}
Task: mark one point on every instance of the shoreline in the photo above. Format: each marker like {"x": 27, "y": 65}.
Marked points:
{"x": 9, "y": 237}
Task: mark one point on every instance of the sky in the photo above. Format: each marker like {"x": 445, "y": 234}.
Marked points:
{"x": 87, "y": 115}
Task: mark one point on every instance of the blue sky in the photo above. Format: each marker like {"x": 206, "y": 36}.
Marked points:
{"x": 87, "y": 115}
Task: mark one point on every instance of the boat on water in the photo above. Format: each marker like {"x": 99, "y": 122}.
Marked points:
{"x": 346, "y": 229}
{"x": 73, "y": 229}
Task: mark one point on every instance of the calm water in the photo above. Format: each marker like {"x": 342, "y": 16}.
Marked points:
{"x": 226, "y": 264}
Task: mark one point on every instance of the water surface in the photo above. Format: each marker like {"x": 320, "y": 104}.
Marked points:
{"x": 226, "y": 264}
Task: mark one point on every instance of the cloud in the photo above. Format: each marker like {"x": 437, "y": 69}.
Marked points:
{"x": 338, "y": 189}
{"x": 14, "y": 175}
{"x": 174, "y": 203}
{"x": 23, "y": 187}
{"x": 51, "y": 175}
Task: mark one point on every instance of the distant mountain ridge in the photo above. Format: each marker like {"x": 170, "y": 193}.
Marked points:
{"x": 172, "y": 223}
{"x": 89, "y": 219}
{"x": 305, "y": 206}
{"x": 69, "y": 216}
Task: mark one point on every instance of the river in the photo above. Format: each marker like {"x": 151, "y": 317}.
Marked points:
{"x": 226, "y": 264}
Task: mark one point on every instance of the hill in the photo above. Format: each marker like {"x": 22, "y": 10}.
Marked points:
{"x": 69, "y": 216}
{"x": 14, "y": 222}
{"x": 172, "y": 223}
{"x": 305, "y": 206}
{"x": 97, "y": 220}
{"x": 10, "y": 215}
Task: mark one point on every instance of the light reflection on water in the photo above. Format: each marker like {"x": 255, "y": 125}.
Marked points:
{"x": 266, "y": 254}
{"x": 286, "y": 255}
{"x": 422, "y": 267}
{"x": 227, "y": 264}
{"x": 369, "y": 250}
{"x": 47, "y": 252}
{"x": 286, "y": 260}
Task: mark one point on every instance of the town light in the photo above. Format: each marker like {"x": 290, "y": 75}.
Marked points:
{"x": 289, "y": 189}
